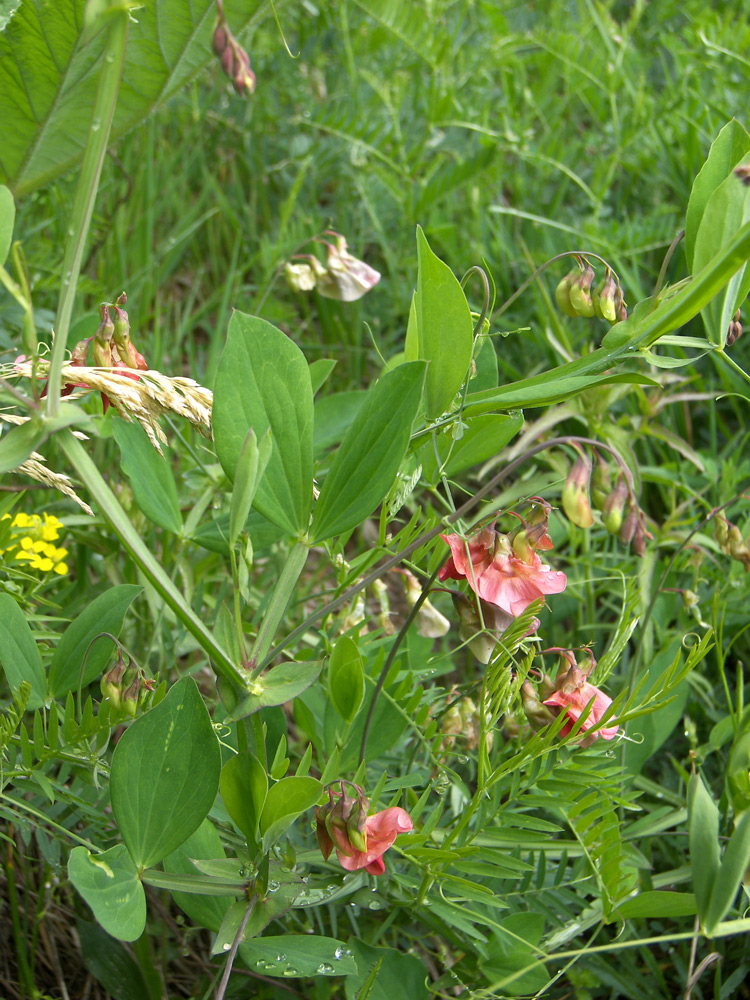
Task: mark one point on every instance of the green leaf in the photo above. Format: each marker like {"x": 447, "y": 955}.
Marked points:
{"x": 165, "y": 775}
{"x": 105, "y": 613}
{"x": 659, "y": 725}
{"x": 7, "y": 221}
{"x": 244, "y": 787}
{"x": 19, "y": 654}
{"x": 320, "y": 371}
{"x": 333, "y": 417}
{"x": 278, "y": 686}
{"x": 150, "y": 476}
{"x": 48, "y": 77}
{"x": 370, "y": 455}
{"x": 18, "y": 443}
{"x": 656, "y": 904}
{"x": 397, "y": 975}
{"x": 263, "y": 381}
{"x": 110, "y": 963}
{"x": 286, "y": 800}
{"x": 110, "y": 885}
{"x": 731, "y": 873}
{"x": 727, "y": 210}
{"x": 250, "y": 468}
{"x": 544, "y": 390}
{"x": 510, "y": 956}
{"x": 483, "y": 437}
{"x": 206, "y": 911}
{"x": 703, "y": 839}
{"x": 444, "y": 329}
{"x": 302, "y": 955}
{"x": 346, "y": 678}
{"x": 729, "y": 147}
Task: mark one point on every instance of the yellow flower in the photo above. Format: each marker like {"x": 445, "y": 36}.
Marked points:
{"x": 31, "y": 539}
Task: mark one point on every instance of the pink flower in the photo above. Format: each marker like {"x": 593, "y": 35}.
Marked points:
{"x": 573, "y": 697}
{"x": 360, "y": 840}
{"x": 381, "y": 829}
{"x": 497, "y": 574}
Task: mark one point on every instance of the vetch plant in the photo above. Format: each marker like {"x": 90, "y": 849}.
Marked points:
{"x": 300, "y": 673}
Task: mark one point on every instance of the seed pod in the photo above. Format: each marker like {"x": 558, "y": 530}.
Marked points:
{"x": 562, "y": 293}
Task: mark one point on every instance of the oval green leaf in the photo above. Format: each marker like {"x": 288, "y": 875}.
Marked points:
{"x": 346, "y": 678}
{"x": 304, "y": 955}
{"x": 150, "y": 476}
{"x": 110, "y": 885}
{"x": 19, "y": 654}
{"x": 278, "y": 686}
{"x": 263, "y": 381}
{"x": 370, "y": 455}
{"x": 286, "y": 800}
{"x": 106, "y": 613}
{"x": 445, "y": 332}
{"x": 244, "y": 786}
{"x": 165, "y": 775}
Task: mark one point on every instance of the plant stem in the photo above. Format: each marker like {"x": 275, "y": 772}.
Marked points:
{"x": 113, "y": 61}
{"x": 146, "y": 561}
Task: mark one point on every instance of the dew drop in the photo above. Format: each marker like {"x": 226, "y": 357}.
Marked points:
{"x": 226, "y": 946}
{"x": 375, "y": 905}
{"x": 289, "y": 970}
{"x": 242, "y": 873}
{"x": 324, "y": 969}
{"x": 339, "y": 953}
{"x": 274, "y": 886}
{"x": 96, "y": 124}
{"x": 281, "y": 957}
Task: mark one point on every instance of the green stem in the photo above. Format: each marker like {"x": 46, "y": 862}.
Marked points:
{"x": 146, "y": 561}
{"x": 278, "y": 604}
{"x": 88, "y": 185}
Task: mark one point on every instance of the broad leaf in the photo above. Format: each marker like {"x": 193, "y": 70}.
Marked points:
{"x": 703, "y": 839}
{"x": 18, "y": 443}
{"x": 244, "y": 786}
{"x": 444, "y": 329}
{"x": 729, "y": 147}
{"x": 48, "y": 76}
{"x": 731, "y": 872}
{"x": 396, "y": 974}
{"x": 658, "y": 903}
{"x": 110, "y": 885}
{"x": 346, "y": 678}
{"x": 110, "y": 964}
{"x": 19, "y": 654}
{"x": 483, "y": 437}
{"x": 206, "y": 911}
{"x": 286, "y": 800}
{"x": 165, "y": 775}
{"x": 263, "y": 381}
{"x": 370, "y": 454}
{"x": 727, "y": 210}
{"x": 302, "y": 955}
{"x": 7, "y": 220}
{"x": 150, "y": 476}
{"x": 106, "y": 613}
{"x": 277, "y": 687}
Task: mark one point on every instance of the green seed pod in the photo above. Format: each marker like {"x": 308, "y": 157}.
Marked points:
{"x": 605, "y": 294}
{"x": 562, "y": 294}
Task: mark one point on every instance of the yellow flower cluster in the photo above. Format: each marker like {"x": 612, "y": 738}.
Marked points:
{"x": 31, "y": 538}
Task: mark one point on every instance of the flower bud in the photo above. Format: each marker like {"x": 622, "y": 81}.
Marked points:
{"x": 80, "y": 353}
{"x": 536, "y": 712}
{"x": 629, "y": 525}
{"x": 580, "y": 292}
{"x": 562, "y": 293}
{"x": 227, "y": 61}
{"x": 575, "y": 499}
{"x": 356, "y": 825}
{"x": 614, "y": 506}
{"x": 621, "y": 309}
{"x": 603, "y": 298}
{"x": 300, "y": 277}
{"x": 429, "y": 622}
{"x": 601, "y": 482}
{"x": 111, "y": 682}
{"x": 324, "y": 839}
{"x": 130, "y": 696}
{"x": 638, "y": 544}
{"x": 244, "y": 78}
{"x": 721, "y": 530}
{"x": 220, "y": 40}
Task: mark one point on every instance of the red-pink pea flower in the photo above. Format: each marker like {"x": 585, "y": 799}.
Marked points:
{"x": 572, "y": 696}
{"x": 360, "y": 840}
{"x": 497, "y": 573}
